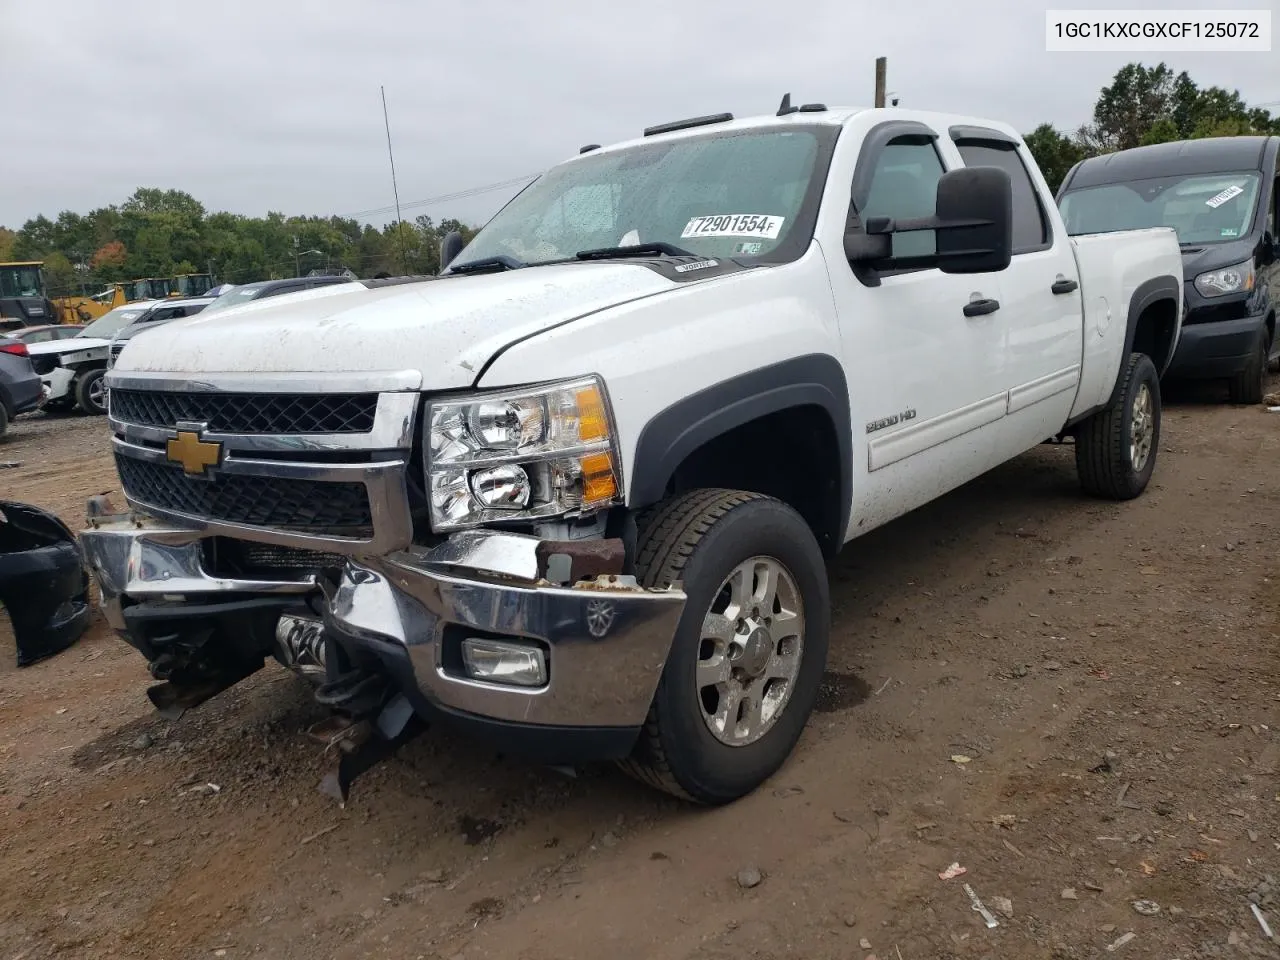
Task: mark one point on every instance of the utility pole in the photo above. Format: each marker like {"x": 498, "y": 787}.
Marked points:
{"x": 394, "y": 189}
{"x": 881, "y": 69}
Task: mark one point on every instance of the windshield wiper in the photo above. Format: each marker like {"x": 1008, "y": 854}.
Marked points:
{"x": 498, "y": 262}
{"x": 636, "y": 250}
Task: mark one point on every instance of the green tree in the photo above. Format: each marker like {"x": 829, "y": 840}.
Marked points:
{"x": 7, "y": 240}
{"x": 59, "y": 274}
{"x": 1055, "y": 153}
{"x": 1164, "y": 130}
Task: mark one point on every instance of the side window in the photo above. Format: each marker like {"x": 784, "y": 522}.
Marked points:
{"x": 905, "y": 185}
{"x": 1030, "y": 226}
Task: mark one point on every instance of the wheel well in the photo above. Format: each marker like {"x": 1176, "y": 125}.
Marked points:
{"x": 1271, "y": 328}
{"x": 1153, "y": 333}
{"x": 792, "y": 455}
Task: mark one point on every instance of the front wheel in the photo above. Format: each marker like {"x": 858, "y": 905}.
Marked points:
{"x": 91, "y": 392}
{"x": 748, "y": 654}
{"x": 1116, "y": 448}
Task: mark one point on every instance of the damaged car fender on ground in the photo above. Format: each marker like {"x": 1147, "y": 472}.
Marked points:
{"x": 43, "y": 583}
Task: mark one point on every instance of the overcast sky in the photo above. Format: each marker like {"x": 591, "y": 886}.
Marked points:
{"x": 273, "y": 105}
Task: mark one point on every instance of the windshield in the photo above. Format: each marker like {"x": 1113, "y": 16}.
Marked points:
{"x": 233, "y": 298}
{"x": 730, "y": 194}
{"x": 1206, "y": 208}
{"x": 110, "y": 323}
{"x": 21, "y": 282}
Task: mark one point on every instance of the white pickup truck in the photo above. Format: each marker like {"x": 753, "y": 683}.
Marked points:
{"x": 575, "y": 494}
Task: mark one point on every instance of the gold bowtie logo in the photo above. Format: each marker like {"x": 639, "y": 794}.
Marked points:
{"x": 194, "y": 454}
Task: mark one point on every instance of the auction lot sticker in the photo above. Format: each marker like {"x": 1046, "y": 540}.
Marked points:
{"x": 734, "y": 225}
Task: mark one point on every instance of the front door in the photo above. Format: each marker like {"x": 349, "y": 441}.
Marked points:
{"x": 924, "y": 351}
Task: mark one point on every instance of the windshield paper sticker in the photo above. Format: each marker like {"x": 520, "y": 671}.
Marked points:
{"x": 734, "y": 225}
{"x": 1223, "y": 197}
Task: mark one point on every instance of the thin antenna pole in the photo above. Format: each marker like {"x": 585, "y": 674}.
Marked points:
{"x": 395, "y": 191}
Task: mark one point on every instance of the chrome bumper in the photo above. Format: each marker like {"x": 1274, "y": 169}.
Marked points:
{"x": 143, "y": 560}
{"x": 606, "y": 639}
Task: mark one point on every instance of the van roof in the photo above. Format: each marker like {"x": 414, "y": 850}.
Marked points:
{"x": 1180, "y": 159}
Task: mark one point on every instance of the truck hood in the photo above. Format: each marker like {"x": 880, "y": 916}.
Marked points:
{"x": 70, "y": 345}
{"x": 446, "y": 330}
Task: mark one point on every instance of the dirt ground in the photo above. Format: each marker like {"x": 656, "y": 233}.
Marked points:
{"x": 1074, "y": 700}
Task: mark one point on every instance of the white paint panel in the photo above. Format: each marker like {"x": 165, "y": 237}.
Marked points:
{"x": 446, "y": 329}
{"x": 919, "y": 437}
{"x": 1026, "y": 394}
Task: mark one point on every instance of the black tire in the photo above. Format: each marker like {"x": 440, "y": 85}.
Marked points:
{"x": 1248, "y": 386}
{"x": 1103, "y": 442}
{"x": 699, "y": 538}
{"x": 84, "y": 386}
{"x": 4, "y": 420}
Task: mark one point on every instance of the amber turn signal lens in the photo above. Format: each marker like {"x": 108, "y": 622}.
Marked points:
{"x": 598, "y": 482}
{"x": 593, "y": 424}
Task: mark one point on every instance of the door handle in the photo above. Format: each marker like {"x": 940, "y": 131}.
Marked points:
{"x": 980, "y": 308}
{"x": 1064, "y": 286}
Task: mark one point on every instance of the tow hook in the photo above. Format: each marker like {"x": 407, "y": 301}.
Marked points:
{"x": 363, "y": 743}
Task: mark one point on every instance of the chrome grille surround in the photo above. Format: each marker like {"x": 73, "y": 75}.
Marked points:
{"x": 269, "y": 476}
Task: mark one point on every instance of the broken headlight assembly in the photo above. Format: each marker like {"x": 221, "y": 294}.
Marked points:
{"x": 521, "y": 454}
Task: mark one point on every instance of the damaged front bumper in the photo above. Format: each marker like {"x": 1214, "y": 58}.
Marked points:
{"x": 43, "y": 584}
{"x": 602, "y": 640}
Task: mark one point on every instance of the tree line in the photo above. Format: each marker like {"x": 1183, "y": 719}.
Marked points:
{"x": 1147, "y": 105}
{"x": 162, "y": 233}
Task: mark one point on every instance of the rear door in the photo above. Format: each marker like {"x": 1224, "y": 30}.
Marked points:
{"x": 1041, "y": 302}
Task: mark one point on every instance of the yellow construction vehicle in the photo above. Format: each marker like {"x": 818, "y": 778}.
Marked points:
{"x": 192, "y": 284}
{"x": 22, "y": 298}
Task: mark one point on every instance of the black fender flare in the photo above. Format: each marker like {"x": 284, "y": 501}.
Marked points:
{"x": 674, "y": 433}
{"x": 1166, "y": 287}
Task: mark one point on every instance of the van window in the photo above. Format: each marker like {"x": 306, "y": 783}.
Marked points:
{"x": 1203, "y": 209}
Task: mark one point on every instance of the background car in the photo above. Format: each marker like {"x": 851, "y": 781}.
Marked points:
{"x": 72, "y": 369}
{"x": 46, "y": 332}
{"x": 272, "y": 288}
{"x": 20, "y": 387}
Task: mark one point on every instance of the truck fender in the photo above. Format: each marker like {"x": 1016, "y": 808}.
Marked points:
{"x": 677, "y": 431}
{"x": 1150, "y": 291}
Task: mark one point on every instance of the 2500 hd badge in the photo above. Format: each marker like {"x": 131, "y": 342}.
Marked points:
{"x": 902, "y": 417}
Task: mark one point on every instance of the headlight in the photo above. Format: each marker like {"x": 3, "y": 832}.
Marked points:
{"x": 518, "y": 455}
{"x": 1234, "y": 279}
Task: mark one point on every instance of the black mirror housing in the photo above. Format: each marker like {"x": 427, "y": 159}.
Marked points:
{"x": 450, "y": 247}
{"x": 975, "y": 214}
{"x": 972, "y": 223}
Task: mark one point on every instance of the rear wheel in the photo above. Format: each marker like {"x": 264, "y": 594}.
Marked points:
{"x": 1116, "y": 448}
{"x": 91, "y": 392}
{"x": 1249, "y": 385}
{"x": 743, "y": 671}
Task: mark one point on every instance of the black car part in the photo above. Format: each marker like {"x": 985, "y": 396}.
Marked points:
{"x": 43, "y": 582}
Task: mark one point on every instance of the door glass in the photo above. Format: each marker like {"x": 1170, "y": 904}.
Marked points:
{"x": 905, "y": 185}
{"x": 1030, "y": 228}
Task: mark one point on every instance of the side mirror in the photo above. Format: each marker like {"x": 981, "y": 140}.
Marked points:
{"x": 973, "y": 224}
{"x": 450, "y": 247}
{"x": 975, "y": 213}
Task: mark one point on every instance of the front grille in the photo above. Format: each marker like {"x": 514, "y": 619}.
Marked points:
{"x": 312, "y": 506}
{"x": 248, "y": 413}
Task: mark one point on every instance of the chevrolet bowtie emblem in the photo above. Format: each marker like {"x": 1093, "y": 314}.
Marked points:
{"x": 194, "y": 454}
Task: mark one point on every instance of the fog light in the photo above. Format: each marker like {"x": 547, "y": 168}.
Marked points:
{"x": 498, "y": 661}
